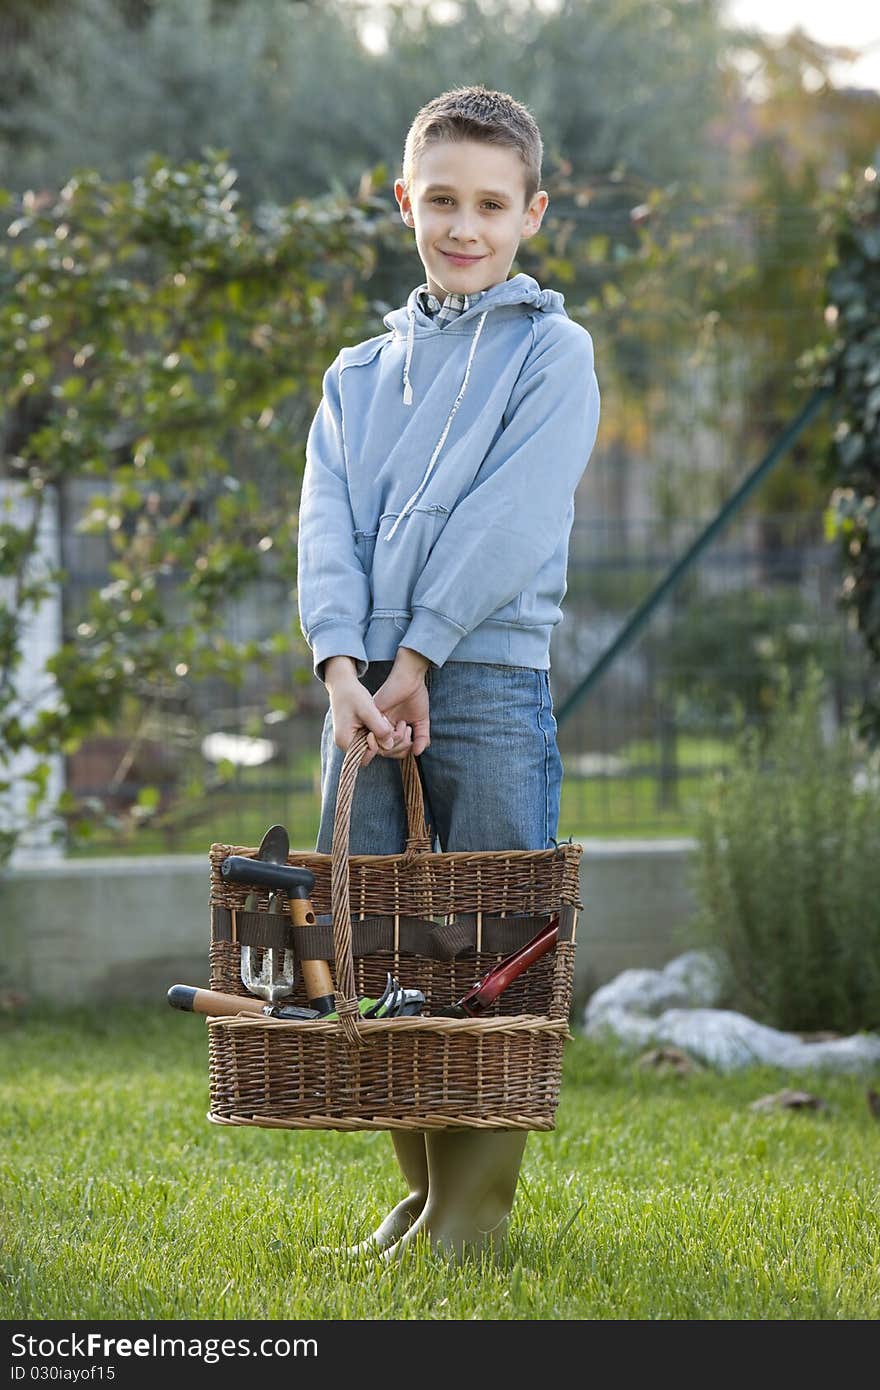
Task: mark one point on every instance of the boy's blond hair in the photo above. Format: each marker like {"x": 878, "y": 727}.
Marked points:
{"x": 476, "y": 113}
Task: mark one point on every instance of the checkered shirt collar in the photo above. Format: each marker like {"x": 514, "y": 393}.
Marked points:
{"x": 452, "y": 306}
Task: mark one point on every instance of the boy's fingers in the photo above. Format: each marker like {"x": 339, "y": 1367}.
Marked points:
{"x": 401, "y": 744}
{"x": 381, "y": 727}
{"x": 394, "y": 739}
{"x": 379, "y": 730}
{"x": 404, "y": 747}
{"x": 397, "y": 744}
{"x": 372, "y": 722}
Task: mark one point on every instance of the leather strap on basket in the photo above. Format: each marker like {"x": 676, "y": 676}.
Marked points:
{"x": 418, "y": 841}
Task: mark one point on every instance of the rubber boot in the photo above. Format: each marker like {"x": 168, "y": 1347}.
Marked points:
{"x": 409, "y": 1146}
{"x": 472, "y": 1177}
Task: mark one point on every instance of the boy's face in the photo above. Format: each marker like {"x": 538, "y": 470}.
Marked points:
{"x": 468, "y": 198}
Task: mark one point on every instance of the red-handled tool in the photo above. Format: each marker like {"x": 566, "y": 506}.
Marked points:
{"x": 481, "y": 996}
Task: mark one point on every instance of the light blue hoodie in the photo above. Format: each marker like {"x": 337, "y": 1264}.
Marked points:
{"x": 438, "y": 495}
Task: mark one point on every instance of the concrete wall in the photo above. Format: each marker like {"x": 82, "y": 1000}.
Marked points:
{"x": 637, "y": 904}
{"x": 115, "y": 929}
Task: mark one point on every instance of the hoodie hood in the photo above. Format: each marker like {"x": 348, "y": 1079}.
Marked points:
{"x": 411, "y": 322}
{"x": 521, "y": 289}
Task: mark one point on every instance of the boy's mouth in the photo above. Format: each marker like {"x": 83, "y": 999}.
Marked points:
{"x": 462, "y": 260}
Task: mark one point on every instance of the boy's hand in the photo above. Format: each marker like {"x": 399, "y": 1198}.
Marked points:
{"x": 404, "y": 699}
{"x": 353, "y": 708}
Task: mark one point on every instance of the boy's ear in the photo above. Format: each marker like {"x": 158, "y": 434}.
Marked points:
{"x": 534, "y": 214}
{"x": 403, "y": 202}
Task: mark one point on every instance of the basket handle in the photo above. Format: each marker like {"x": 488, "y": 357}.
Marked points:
{"x": 418, "y": 842}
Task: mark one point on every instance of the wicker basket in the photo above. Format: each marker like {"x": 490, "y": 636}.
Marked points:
{"x": 434, "y": 921}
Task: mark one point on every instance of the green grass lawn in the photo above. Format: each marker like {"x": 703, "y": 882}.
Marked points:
{"x": 629, "y": 806}
{"x": 657, "y": 1196}
{"x": 589, "y": 810}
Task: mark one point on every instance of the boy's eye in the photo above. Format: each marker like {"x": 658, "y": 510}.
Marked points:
{"x": 442, "y": 198}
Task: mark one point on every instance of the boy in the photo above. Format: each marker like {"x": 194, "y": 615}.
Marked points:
{"x": 436, "y": 509}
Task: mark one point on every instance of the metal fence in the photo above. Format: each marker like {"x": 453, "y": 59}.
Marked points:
{"x": 637, "y": 749}
{"x": 755, "y": 610}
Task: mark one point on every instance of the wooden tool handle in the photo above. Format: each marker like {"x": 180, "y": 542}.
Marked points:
{"x": 210, "y": 1001}
{"x": 316, "y": 975}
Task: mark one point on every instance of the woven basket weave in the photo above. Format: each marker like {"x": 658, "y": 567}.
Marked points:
{"x": 464, "y": 912}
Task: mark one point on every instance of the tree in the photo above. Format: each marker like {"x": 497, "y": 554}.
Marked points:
{"x": 167, "y": 348}
{"x": 303, "y": 107}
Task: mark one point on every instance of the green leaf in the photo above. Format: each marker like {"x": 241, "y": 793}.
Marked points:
{"x": 148, "y": 798}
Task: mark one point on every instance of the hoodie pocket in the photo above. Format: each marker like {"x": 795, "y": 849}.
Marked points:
{"x": 432, "y": 517}
{"x": 415, "y": 538}
{"x": 396, "y": 565}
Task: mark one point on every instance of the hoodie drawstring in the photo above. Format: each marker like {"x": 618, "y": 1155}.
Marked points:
{"x": 407, "y": 384}
{"x": 442, "y": 440}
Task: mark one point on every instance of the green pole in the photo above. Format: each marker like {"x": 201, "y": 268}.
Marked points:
{"x": 639, "y": 618}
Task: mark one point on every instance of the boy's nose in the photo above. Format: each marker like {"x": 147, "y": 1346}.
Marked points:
{"x": 462, "y": 234}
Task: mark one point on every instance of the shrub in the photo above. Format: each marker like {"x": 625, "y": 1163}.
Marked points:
{"x": 853, "y": 516}
{"x": 161, "y": 352}
{"x": 787, "y": 872}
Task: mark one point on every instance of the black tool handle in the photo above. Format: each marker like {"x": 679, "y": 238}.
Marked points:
{"x": 239, "y": 868}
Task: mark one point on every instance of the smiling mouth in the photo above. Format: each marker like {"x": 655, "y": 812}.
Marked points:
{"x": 455, "y": 256}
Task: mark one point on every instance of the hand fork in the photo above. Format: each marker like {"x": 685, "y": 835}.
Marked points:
{"x": 267, "y": 982}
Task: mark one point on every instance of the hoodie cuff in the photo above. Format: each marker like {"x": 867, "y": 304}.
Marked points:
{"x": 338, "y": 639}
{"x": 433, "y": 635}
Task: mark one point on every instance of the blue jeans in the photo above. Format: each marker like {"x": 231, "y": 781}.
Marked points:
{"x": 491, "y": 776}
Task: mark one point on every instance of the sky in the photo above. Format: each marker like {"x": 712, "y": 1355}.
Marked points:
{"x": 854, "y": 23}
